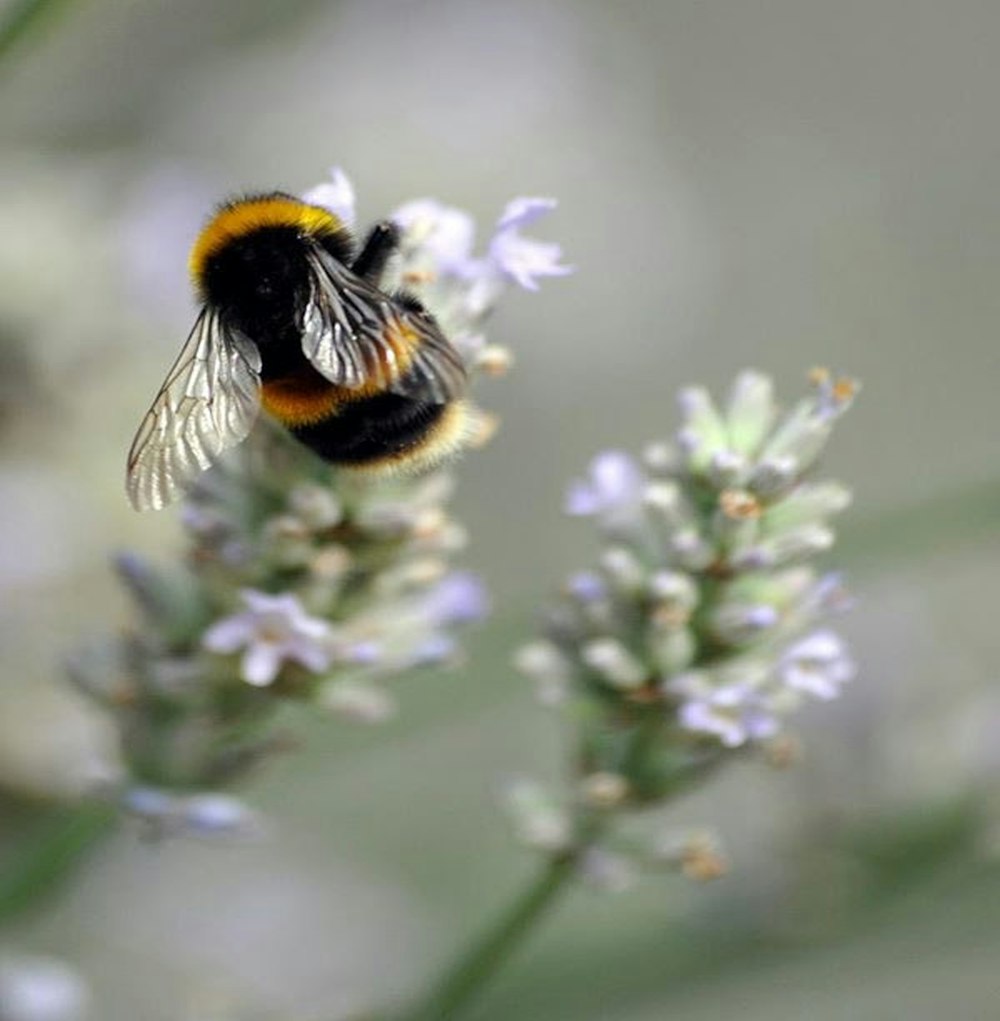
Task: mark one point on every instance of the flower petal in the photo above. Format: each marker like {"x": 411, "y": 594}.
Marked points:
{"x": 261, "y": 664}
{"x": 443, "y": 233}
{"x": 524, "y": 259}
{"x": 337, "y": 195}
{"x": 229, "y": 634}
{"x": 522, "y": 211}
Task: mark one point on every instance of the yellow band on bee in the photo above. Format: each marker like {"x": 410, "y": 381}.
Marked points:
{"x": 242, "y": 217}
{"x": 300, "y": 400}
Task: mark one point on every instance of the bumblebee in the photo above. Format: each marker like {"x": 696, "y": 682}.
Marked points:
{"x": 295, "y": 321}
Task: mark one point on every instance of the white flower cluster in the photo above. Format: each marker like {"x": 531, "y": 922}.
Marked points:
{"x": 700, "y": 629}
{"x": 437, "y": 261}
{"x": 367, "y": 592}
{"x": 706, "y": 611}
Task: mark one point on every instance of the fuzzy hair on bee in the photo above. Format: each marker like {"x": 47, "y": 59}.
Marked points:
{"x": 294, "y": 320}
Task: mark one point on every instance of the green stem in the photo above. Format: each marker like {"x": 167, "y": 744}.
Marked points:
{"x": 473, "y": 970}
{"x": 50, "y": 858}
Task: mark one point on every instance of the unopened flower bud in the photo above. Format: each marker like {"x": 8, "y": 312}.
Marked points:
{"x": 607, "y": 870}
{"x": 661, "y": 457}
{"x": 217, "y": 816}
{"x": 623, "y": 568}
{"x": 751, "y": 412}
{"x": 616, "y": 665}
{"x": 807, "y": 503}
{"x": 703, "y": 433}
{"x": 691, "y": 551}
{"x": 539, "y": 821}
{"x": 672, "y": 649}
{"x": 494, "y": 360}
{"x": 773, "y": 476}
{"x": 357, "y": 700}
{"x": 728, "y": 469}
{"x": 317, "y": 506}
{"x": 604, "y": 790}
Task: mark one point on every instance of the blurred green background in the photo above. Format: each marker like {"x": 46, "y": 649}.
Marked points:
{"x": 777, "y": 184}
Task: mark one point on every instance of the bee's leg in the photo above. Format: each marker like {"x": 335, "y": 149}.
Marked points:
{"x": 376, "y": 252}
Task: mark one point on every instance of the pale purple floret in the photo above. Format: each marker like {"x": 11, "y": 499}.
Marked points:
{"x": 612, "y": 491}
{"x": 434, "y": 649}
{"x": 363, "y": 653}
{"x": 818, "y": 665}
{"x": 829, "y": 594}
{"x": 522, "y": 259}
{"x": 459, "y": 598}
{"x": 524, "y": 211}
{"x": 443, "y": 233}
{"x": 587, "y": 586}
{"x": 735, "y": 714}
{"x": 762, "y": 617}
{"x": 336, "y": 194}
{"x": 271, "y": 631}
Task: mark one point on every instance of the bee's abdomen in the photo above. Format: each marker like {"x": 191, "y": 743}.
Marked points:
{"x": 376, "y": 429}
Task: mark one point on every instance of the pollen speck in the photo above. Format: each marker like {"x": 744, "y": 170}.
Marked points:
{"x": 844, "y": 389}
{"x": 739, "y": 505}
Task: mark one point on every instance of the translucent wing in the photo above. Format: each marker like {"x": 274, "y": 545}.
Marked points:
{"x": 357, "y": 336}
{"x": 207, "y": 404}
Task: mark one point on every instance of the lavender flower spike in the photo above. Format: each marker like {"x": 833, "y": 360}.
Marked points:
{"x": 700, "y": 633}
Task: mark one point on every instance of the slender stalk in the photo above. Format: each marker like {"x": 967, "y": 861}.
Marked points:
{"x": 41, "y": 868}
{"x": 473, "y": 970}
{"x": 24, "y": 18}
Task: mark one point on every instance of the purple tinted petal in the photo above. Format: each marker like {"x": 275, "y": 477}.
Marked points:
{"x": 337, "y": 195}
{"x": 524, "y": 259}
{"x": 700, "y": 716}
{"x": 148, "y": 801}
{"x": 760, "y": 724}
{"x": 228, "y": 635}
{"x": 365, "y": 653}
{"x": 616, "y": 477}
{"x": 582, "y": 500}
{"x": 587, "y": 586}
{"x": 729, "y": 696}
{"x": 458, "y": 598}
{"x": 309, "y": 627}
{"x": 263, "y": 602}
{"x": 311, "y": 656}
{"x": 261, "y": 663}
{"x": 218, "y": 815}
{"x": 443, "y": 233}
{"x": 812, "y": 682}
{"x": 820, "y": 645}
{"x": 761, "y": 617}
{"x": 521, "y": 212}
{"x": 437, "y": 648}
